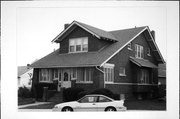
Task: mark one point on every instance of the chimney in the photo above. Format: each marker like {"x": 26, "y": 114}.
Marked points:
{"x": 153, "y": 34}
{"x": 66, "y": 25}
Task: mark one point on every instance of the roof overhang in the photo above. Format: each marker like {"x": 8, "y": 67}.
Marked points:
{"x": 56, "y": 39}
{"x": 154, "y": 47}
{"x": 142, "y": 62}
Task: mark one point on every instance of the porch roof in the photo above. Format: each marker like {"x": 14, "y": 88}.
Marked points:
{"x": 142, "y": 62}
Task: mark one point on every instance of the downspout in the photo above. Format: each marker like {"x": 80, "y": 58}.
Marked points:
{"x": 103, "y": 74}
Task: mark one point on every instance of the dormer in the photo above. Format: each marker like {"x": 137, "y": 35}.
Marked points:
{"x": 78, "y": 37}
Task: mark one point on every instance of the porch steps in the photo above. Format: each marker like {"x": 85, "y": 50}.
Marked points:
{"x": 57, "y": 97}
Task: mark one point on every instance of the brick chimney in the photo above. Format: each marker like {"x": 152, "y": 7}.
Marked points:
{"x": 153, "y": 34}
{"x": 66, "y": 25}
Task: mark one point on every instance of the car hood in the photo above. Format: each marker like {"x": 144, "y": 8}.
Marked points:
{"x": 72, "y": 104}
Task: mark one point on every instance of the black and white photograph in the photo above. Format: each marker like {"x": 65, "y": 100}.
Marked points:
{"x": 74, "y": 56}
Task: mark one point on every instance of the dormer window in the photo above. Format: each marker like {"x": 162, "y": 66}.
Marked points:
{"x": 78, "y": 45}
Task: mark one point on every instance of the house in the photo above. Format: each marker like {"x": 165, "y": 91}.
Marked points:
{"x": 162, "y": 74}
{"x": 25, "y": 74}
{"x": 124, "y": 61}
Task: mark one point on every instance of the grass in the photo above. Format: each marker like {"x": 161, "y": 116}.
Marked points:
{"x": 23, "y": 101}
{"x": 145, "y": 105}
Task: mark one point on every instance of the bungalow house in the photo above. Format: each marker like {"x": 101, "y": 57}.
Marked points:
{"x": 124, "y": 61}
{"x": 25, "y": 74}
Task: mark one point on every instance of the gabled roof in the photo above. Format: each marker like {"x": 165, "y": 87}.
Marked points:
{"x": 99, "y": 33}
{"x": 23, "y": 69}
{"x": 122, "y": 37}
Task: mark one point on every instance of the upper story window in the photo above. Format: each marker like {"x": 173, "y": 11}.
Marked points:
{"x": 122, "y": 71}
{"x": 148, "y": 52}
{"x": 130, "y": 46}
{"x": 139, "y": 51}
{"x": 78, "y": 44}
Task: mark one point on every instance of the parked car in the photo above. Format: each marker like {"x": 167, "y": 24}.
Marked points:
{"x": 92, "y": 103}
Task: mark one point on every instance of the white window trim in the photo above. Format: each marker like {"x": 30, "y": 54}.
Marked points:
{"x": 73, "y": 78}
{"x": 130, "y": 46}
{"x": 148, "y": 52}
{"x": 139, "y": 47}
{"x": 124, "y": 74}
{"x": 75, "y": 45}
{"x": 109, "y": 66}
{"x": 85, "y": 80}
{"x": 47, "y": 81}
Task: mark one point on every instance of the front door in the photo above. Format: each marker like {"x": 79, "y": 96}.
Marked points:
{"x": 66, "y": 82}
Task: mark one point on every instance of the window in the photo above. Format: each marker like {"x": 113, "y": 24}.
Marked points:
{"x": 46, "y": 75}
{"x": 103, "y": 99}
{"x": 84, "y": 75}
{"x": 144, "y": 76}
{"x": 89, "y": 99}
{"x": 73, "y": 73}
{"x": 122, "y": 71}
{"x": 129, "y": 46}
{"x": 109, "y": 73}
{"x": 55, "y": 73}
{"x": 148, "y": 52}
{"x": 139, "y": 52}
{"x": 78, "y": 45}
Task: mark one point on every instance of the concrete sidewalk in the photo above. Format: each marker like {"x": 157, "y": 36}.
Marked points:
{"x": 33, "y": 104}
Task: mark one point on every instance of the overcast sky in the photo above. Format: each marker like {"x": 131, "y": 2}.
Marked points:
{"x": 37, "y": 26}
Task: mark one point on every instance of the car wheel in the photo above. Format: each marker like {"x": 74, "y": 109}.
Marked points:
{"x": 108, "y": 109}
{"x": 67, "y": 109}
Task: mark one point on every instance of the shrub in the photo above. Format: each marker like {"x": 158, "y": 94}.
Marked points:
{"x": 24, "y": 92}
{"x": 103, "y": 91}
{"x": 71, "y": 94}
{"x": 82, "y": 94}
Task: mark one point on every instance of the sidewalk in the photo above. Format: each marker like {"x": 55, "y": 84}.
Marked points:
{"x": 34, "y": 104}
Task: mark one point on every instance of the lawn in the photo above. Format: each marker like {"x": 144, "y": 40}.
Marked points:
{"x": 24, "y": 101}
{"x": 145, "y": 105}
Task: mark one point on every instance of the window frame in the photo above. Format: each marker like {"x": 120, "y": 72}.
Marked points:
{"x": 83, "y": 43}
{"x": 139, "y": 51}
{"x": 84, "y": 73}
{"x": 124, "y": 71}
{"x": 47, "y": 75}
{"x": 148, "y": 51}
{"x": 130, "y": 46}
{"x": 108, "y": 70}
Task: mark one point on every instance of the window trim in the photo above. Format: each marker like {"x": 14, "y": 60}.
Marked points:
{"x": 124, "y": 71}
{"x": 85, "y": 71}
{"x": 130, "y": 46}
{"x": 75, "y": 45}
{"x": 148, "y": 51}
{"x": 108, "y": 66}
{"x": 45, "y": 81}
{"x": 139, "y": 51}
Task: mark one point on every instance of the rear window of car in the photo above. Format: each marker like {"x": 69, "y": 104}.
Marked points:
{"x": 89, "y": 99}
{"x": 104, "y": 99}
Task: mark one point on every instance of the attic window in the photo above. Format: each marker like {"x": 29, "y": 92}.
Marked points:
{"x": 148, "y": 52}
{"x": 78, "y": 45}
{"x": 129, "y": 46}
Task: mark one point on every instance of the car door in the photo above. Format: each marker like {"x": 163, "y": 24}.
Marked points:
{"x": 87, "y": 104}
{"x": 103, "y": 102}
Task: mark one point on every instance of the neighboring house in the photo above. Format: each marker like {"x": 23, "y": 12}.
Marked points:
{"x": 25, "y": 74}
{"x": 124, "y": 61}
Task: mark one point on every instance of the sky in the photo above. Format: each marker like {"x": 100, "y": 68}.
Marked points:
{"x": 38, "y": 26}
